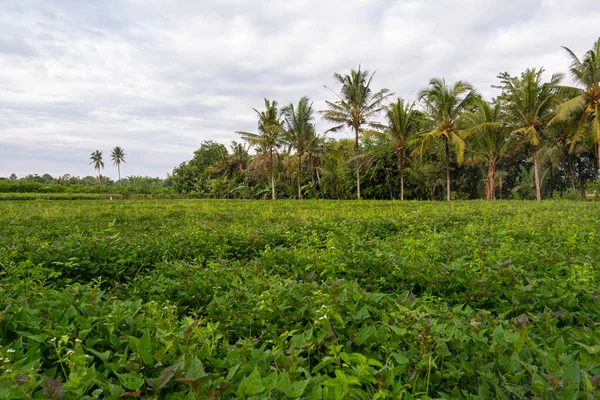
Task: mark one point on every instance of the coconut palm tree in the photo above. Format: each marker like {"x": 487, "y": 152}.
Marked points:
{"x": 446, "y": 105}
{"x": 357, "y": 107}
{"x": 530, "y": 103}
{"x": 269, "y": 137}
{"x": 584, "y": 101}
{"x": 118, "y": 156}
{"x": 403, "y": 123}
{"x": 96, "y": 158}
{"x": 489, "y": 141}
{"x": 299, "y": 131}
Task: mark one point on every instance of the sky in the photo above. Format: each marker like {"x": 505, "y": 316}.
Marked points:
{"x": 159, "y": 77}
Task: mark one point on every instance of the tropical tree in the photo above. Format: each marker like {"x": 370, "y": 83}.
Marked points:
{"x": 299, "y": 131}
{"x": 584, "y": 102}
{"x": 403, "y": 123}
{"x": 530, "y": 103}
{"x": 489, "y": 141}
{"x": 96, "y": 158}
{"x": 357, "y": 107}
{"x": 446, "y": 105}
{"x": 269, "y": 137}
{"x": 118, "y": 156}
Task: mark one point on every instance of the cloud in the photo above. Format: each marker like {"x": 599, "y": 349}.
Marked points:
{"x": 158, "y": 77}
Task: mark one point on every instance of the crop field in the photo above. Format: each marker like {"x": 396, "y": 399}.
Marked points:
{"x": 186, "y": 299}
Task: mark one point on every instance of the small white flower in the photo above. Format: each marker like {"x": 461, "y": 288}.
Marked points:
{"x": 70, "y": 352}
{"x": 78, "y": 340}
{"x": 316, "y": 322}
{"x": 87, "y": 356}
{"x": 10, "y": 351}
{"x": 6, "y": 360}
{"x": 109, "y": 315}
{"x": 8, "y": 370}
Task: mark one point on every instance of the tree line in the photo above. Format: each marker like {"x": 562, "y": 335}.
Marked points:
{"x": 537, "y": 139}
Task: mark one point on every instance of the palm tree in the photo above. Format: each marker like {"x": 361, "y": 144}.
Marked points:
{"x": 117, "y": 156}
{"x": 269, "y": 136}
{"x": 530, "y": 103}
{"x": 402, "y": 125}
{"x": 489, "y": 141}
{"x": 96, "y": 158}
{"x": 357, "y": 106}
{"x": 584, "y": 103}
{"x": 299, "y": 131}
{"x": 446, "y": 104}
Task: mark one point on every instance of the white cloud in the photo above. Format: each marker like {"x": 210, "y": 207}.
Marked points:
{"x": 159, "y": 77}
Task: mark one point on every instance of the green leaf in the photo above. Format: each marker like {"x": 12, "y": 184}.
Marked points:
{"x": 295, "y": 389}
{"x": 251, "y": 385}
{"x": 131, "y": 381}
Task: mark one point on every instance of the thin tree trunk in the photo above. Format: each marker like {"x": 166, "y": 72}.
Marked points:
{"x": 401, "y": 170}
{"x": 299, "y": 176}
{"x": 272, "y": 175}
{"x": 598, "y": 153}
{"x": 491, "y": 195}
{"x": 447, "y": 170}
{"x": 538, "y": 189}
{"x": 357, "y": 164}
{"x": 119, "y": 169}
{"x": 357, "y": 182}
{"x": 572, "y": 174}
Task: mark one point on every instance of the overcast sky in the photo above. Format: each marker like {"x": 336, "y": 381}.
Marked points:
{"x": 158, "y": 77}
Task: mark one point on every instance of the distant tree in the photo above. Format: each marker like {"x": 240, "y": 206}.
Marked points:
{"x": 446, "y": 104}
{"x": 583, "y": 104}
{"x": 194, "y": 174}
{"x": 299, "y": 131}
{"x": 117, "y": 156}
{"x": 489, "y": 141}
{"x": 357, "y": 107}
{"x": 403, "y": 123}
{"x": 530, "y": 103}
{"x": 13, "y": 176}
{"x": 269, "y": 137}
{"x": 96, "y": 158}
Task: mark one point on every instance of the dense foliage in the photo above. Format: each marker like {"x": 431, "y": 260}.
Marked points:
{"x": 206, "y": 299}
{"x": 537, "y": 139}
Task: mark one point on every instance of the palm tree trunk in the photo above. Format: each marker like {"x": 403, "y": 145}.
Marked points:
{"x": 598, "y": 153}
{"x": 299, "y": 176}
{"x": 447, "y": 170}
{"x": 272, "y": 175}
{"x": 491, "y": 195}
{"x": 357, "y": 181}
{"x": 572, "y": 174}
{"x": 357, "y": 164}
{"x": 538, "y": 189}
{"x": 401, "y": 170}
{"x": 119, "y": 169}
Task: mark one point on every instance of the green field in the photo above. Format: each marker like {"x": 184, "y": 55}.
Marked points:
{"x": 316, "y": 299}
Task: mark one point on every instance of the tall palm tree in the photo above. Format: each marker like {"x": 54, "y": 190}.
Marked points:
{"x": 489, "y": 141}
{"x": 530, "y": 103}
{"x": 584, "y": 103}
{"x": 269, "y": 137}
{"x": 446, "y": 105}
{"x": 402, "y": 125}
{"x": 356, "y": 107}
{"x": 96, "y": 158}
{"x": 299, "y": 131}
{"x": 118, "y": 156}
